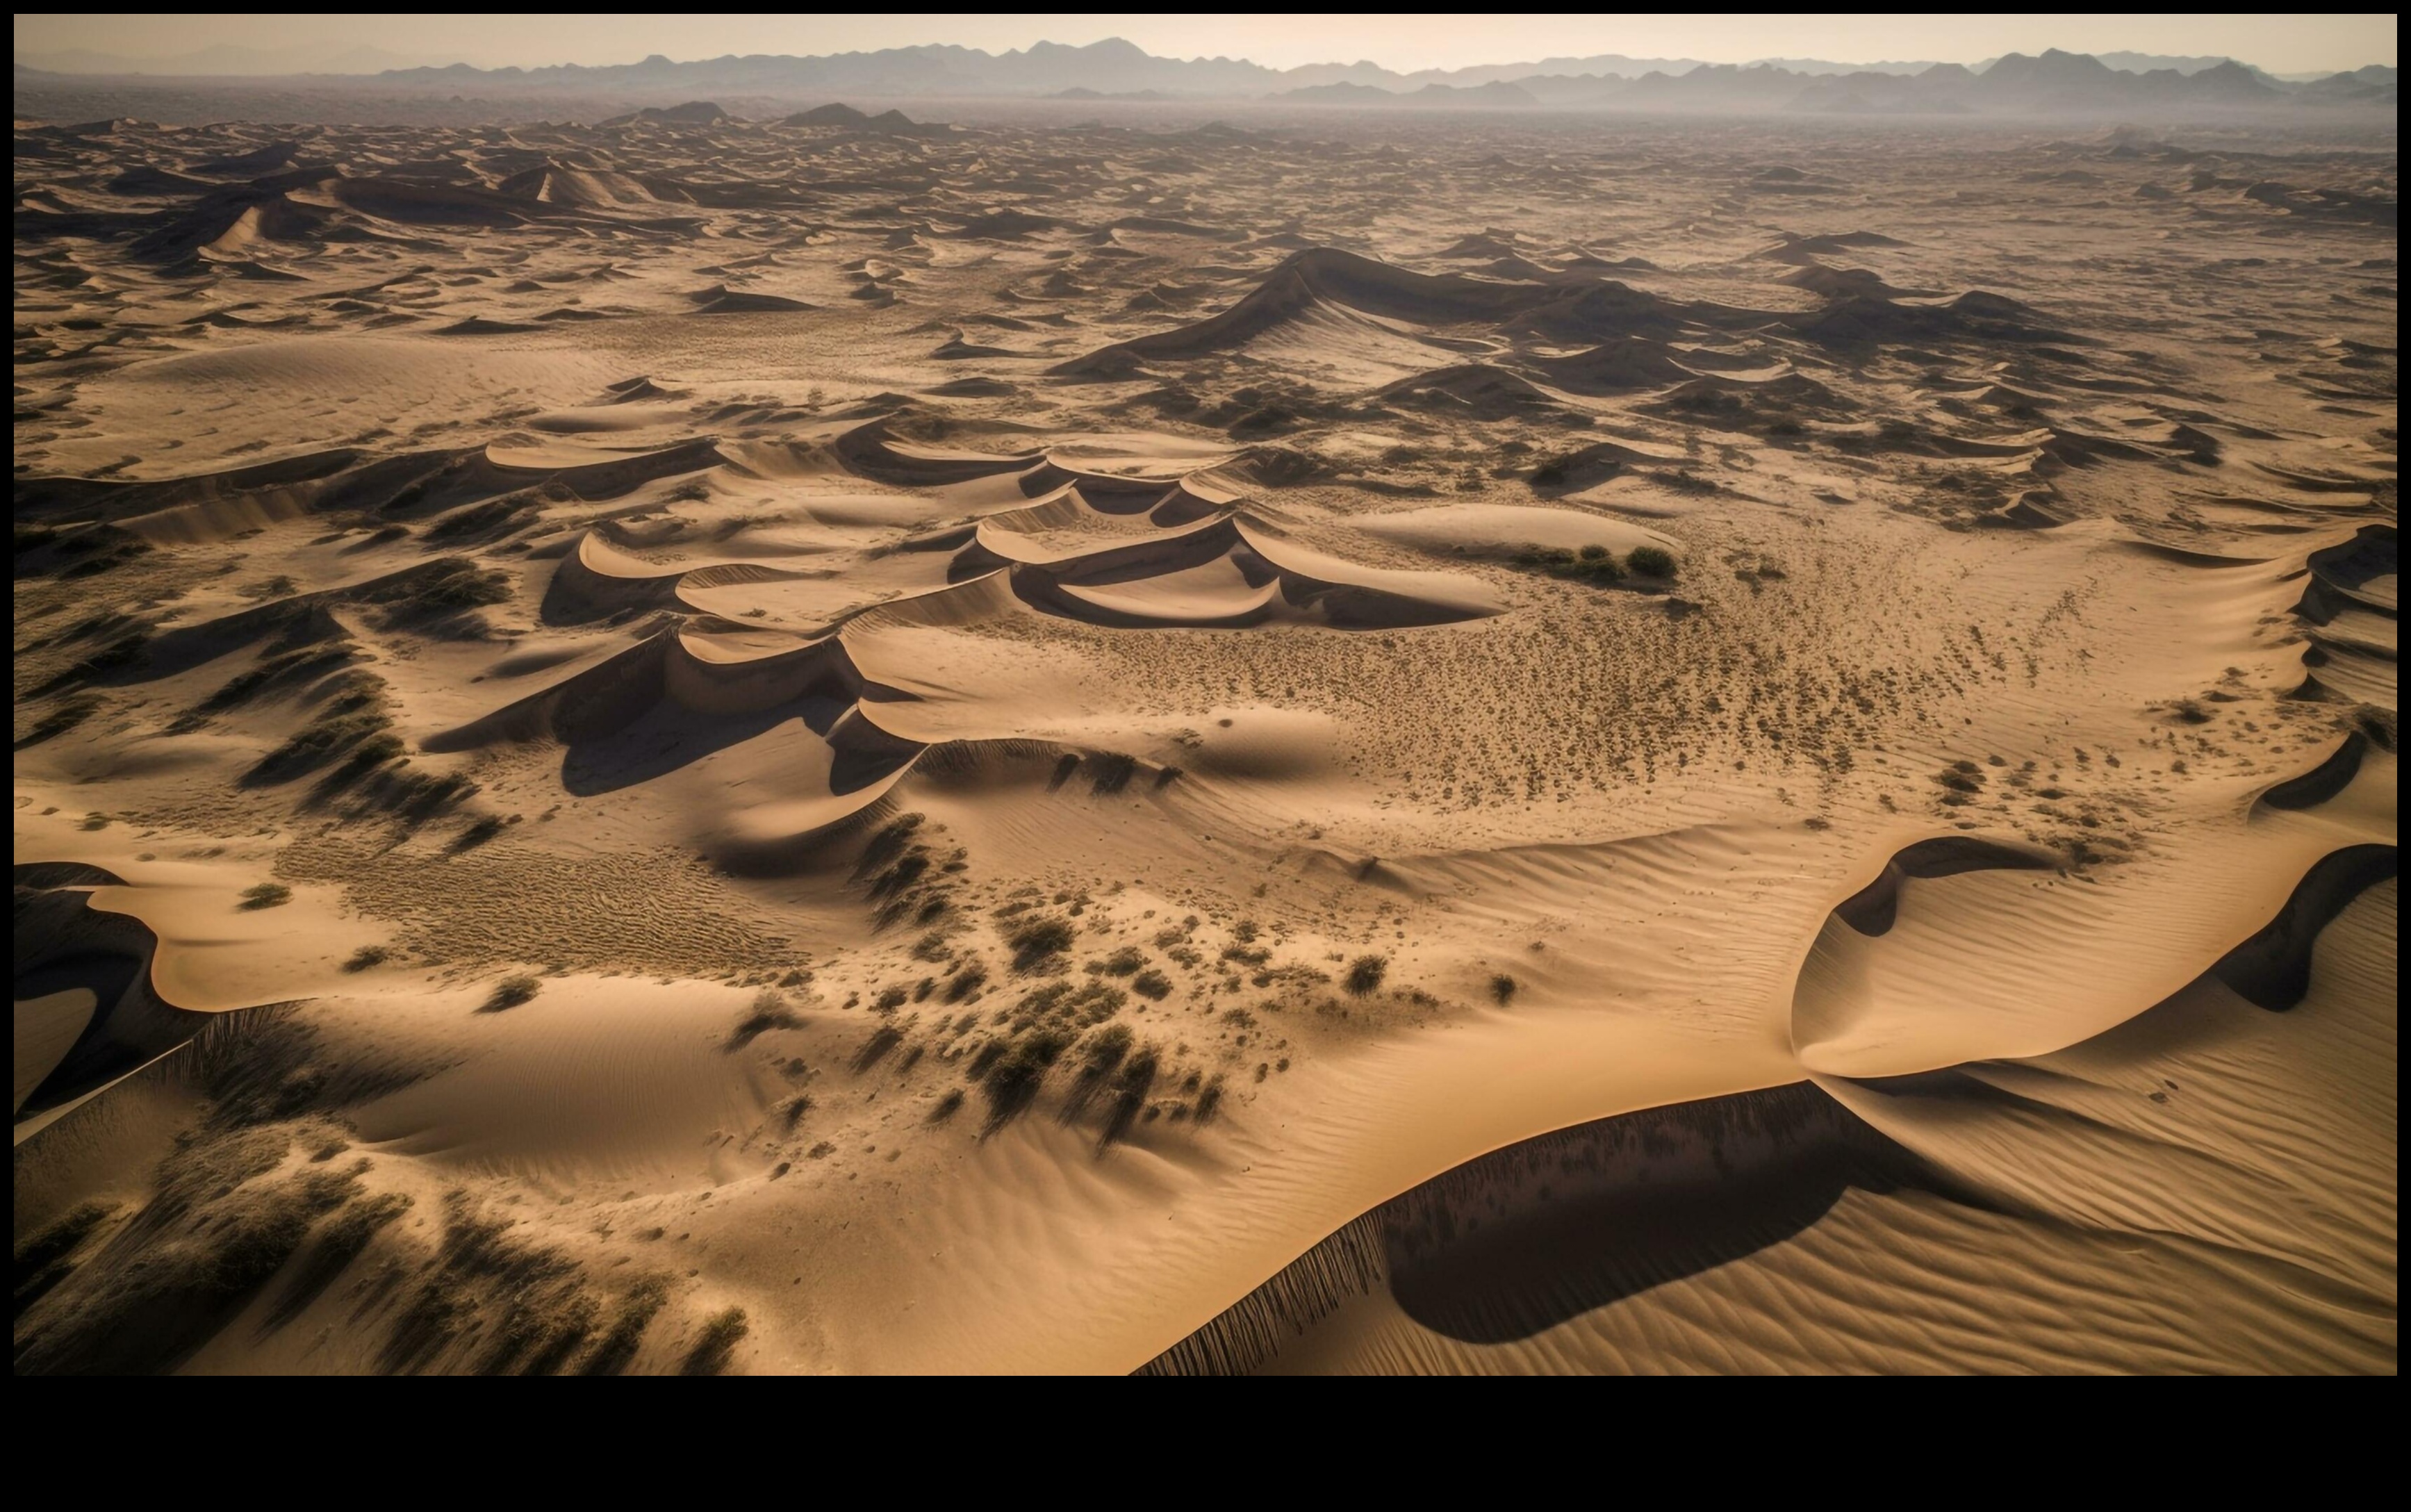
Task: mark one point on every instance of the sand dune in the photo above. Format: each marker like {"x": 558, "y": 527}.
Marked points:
{"x": 826, "y": 745}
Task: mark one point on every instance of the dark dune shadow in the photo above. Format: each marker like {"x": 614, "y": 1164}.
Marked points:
{"x": 1876, "y": 907}
{"x": 2272, "y": 969}
{"x": 1544, "y": 1231}
{"x": 667, "y": 737}
{"x": 62, "y": 942}
{"x": 1541, "y": 1232}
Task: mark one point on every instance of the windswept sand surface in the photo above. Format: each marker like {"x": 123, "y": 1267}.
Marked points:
{"x": 753, "y": 746}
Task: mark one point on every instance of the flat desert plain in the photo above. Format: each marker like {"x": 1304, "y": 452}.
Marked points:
{"x": 1374, "y": 743}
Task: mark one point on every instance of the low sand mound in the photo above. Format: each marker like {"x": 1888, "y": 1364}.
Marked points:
{"x": 1847, "y": 282}
{"x": 1615, "y": 367}
{"x": 1861, "y": 319}
{"x": 1326, "y": 279}
{"x": 721, "y": 300}
{"x": 1501, "y": 530}
{"x": 232, "y": 222}
{"x": 1808, "y": 248}
{"x": 871, "y": 451}
{"x": 553, "y": 183}
{"x": 1477, "y": 391}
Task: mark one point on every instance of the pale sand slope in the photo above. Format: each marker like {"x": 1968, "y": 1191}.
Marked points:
{"x": 938, "y": 701}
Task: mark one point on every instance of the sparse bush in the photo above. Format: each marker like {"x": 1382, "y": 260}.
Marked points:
{"x": 67, "y": 717}
{"x": 1365, "y": 974}
{"x": 477, "y": 833}
{"x": 510, "y": 992}
{"x": 1012, "y": 1083}
{"x": 966, "y": 982}
{"x": 770, "y": 1011}
{"x": 717, "y": 1342}
{"x": 618, "y": 1343}
{"x": 1502, "y": 988}
{"x": 365, "y": 957}
{"x": 1122, "y": 962}
{"x": 266, "y": 895}
{"x": 1152, "y": 985}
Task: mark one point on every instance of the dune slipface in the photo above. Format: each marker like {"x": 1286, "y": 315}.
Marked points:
{"x": 826, "y": 744}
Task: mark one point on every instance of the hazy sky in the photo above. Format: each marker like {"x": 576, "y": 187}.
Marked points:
{"x": 2283, "y": 43}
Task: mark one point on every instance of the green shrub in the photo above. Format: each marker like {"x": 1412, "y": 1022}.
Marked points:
{"x": 1652, "y": 562}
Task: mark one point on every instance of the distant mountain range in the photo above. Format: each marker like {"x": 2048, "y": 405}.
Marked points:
{"x": 1117, "y": 70}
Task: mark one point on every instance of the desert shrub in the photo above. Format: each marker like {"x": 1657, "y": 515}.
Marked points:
{"x": 1122, "y": 962}
{"x": 67, "y": 717}
{"x": 266, "y": 895}
{"x": 1037, "y": 940}
{"x": 1503, "y": 987}
{"x": 477, "y": 833}
{"x": 1365, "y": 974}
{"x": 458, "y": 583}
{"x": 770, "y": 1011}
{"x": 1652, "y": 562}
{"x": 286, "y": 666}
{"x": 1110, "y": 772}
{"x": 1131, "y": 1090}
{"x": 717, "y": 1342}
{"x": 479, "y": 519}
{"x": 1012, "y": 1084}
{"x": 1209, "y": 1099}
{"x": 1593, "y": 553}
{"x": 510, "y": 992}
{"x": 1060, "y": 1003}
{"x": 966, "y": 982}
{"x": 618, "y": 1346}
{"x": 365, "y": 957}
{"x": 947, "y": 1105}
{"x": 874, "y": 1050}
{"x": 1152, "y": 985}
{"x": 342, "y": 1242}
{"x": 890, "y": 999}
{"x": 41, "y": 1261}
